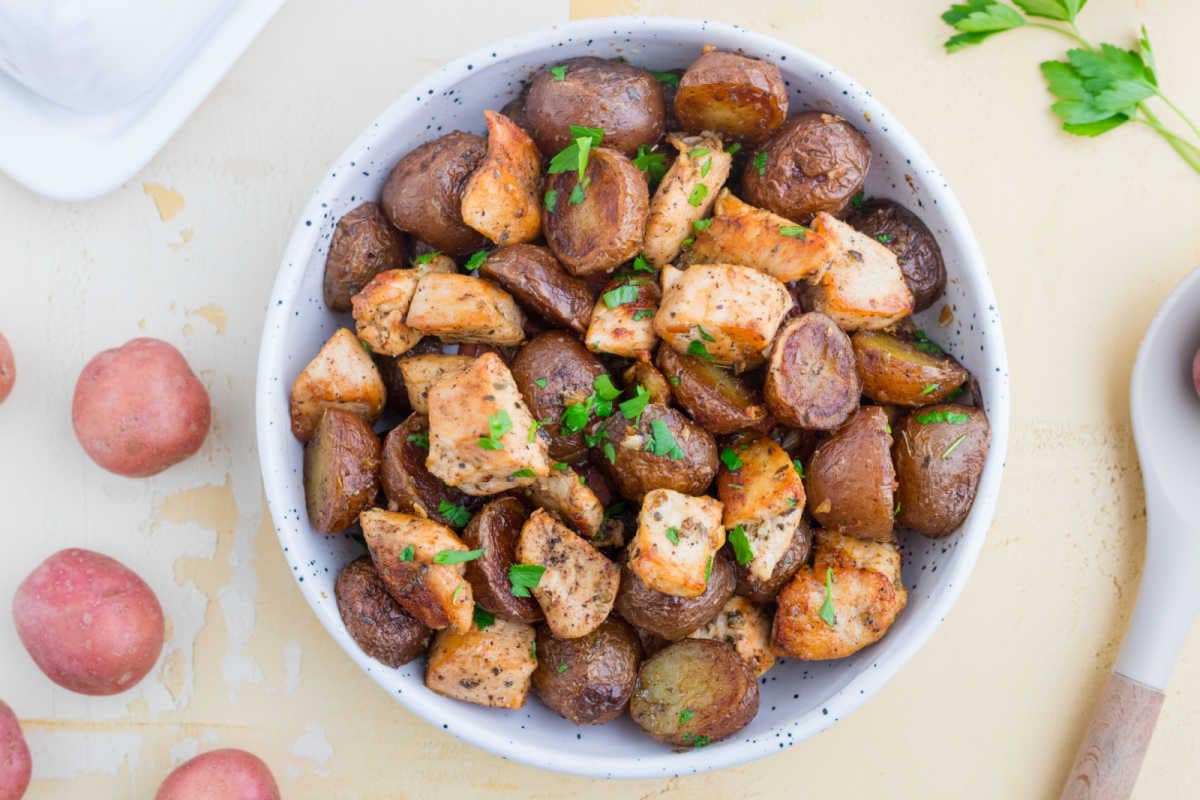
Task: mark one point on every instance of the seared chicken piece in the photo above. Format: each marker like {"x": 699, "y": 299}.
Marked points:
{"x": 721, "y": 312}
{"x": 677, "y": 538}
{"x": 463, "y": 308}
{"x": 764, "y": 486}
{"x": 623, "y": 319}
{"x": 341, "y": 376}
{"x": 746, "y": 626}
{"x": 489, "y": 667}
{"x": 502, "y": 199}
{"x": 480, "y": 431}
{"x": 861, "y": 598}
{"x": 579, "y": 586}
{"x": 379, "y": 311}
{"x": 679, "y": 201}
{"x": 421, "y": 372}
{"x": 862, "y": 286}
{"x": 566, "y": 497}
{"x": 770, "y": 540}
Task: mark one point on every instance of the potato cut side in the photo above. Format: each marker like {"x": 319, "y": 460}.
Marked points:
{"x": 480, "y": 431}
{"x": 570, "y": 500}
{"x": 621, "y": 326}
{"x": 721, "y": 312}
{"x": 380, "y": 308}
{"x": 489, "y": 667}
{"x": 746, "y": 626}
{"x": 677, "y": 538}
{"x": 421, "y": 372}
{"x": 341, "y": 376}
{"x": 502, "y": 198}
{"x": 463, "y": 308}
{"x": 904, "y": 372}
{"x": 685, "y": 195}
{"x": 579, "y": 586}
{"x": 863, "y": 286}
{"x": 433, "y": 262}
{"x": 764, "y": 486}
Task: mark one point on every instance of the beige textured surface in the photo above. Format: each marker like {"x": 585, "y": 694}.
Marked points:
{"x": 1083, "y": 238}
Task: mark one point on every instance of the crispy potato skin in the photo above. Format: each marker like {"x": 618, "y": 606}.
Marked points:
{"x": 495, "y": 529}
{"x": 374, "y": 619}
{"x": 421, "y": 371}
{"x": 705, "y": 677}
{"x": 342, "y": 375}
{"x": 867, "y": 596}
{"x": 678, "y": 567}
{"x": 605, "y": 230}
{"x": 637, "y": 471}
{"x": 490, "y": 667}
{"x": 90, "y": 623}
{"x": 716, "y": 398}
{"x": 668, "y": 615}
{"x": 423, "y": 193}
{"x": 815, "y": 162}
{"x": 746, "y": 627}
{"x": 811, "y": 378}
{"x": 937, "y": 483}
{"x": 463, "y": 308}
{"x": 741, "y": 98}
{"x": 569, "y": 371}
{"x": 341, "y": 471}
{"x": 364, "y": 244}
{"x": 408, "y": 485}
{"x": 672, "y": 212}
{"x": 623, "y": 101}
{"x": 588, "y": 680}
{"x": 503, "y": 197}
{"x": 754, "y": 588}
{"x": 628, "y": 329}
{"x": 764, "y": 486}
{"x": 894, "y": 370}
{"x": 16, "y": 767}
{"x": 643, "y": 373}
{"x": 380, "y": 310}
{"x": 914, "y": 244}
{"x": 532, "y": 275}
{"x": 851, "y": 481}
{"x": 226, "y": 773}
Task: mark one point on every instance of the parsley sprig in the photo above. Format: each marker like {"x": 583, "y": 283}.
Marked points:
{"x": 1098, "y": 88}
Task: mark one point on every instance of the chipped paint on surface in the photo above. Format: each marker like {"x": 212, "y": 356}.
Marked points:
{"x": 313, "y": 746}
{"x": 60, "y": 754}
{"x": 212, "y": 314}
{"x": 185, "y": 237}
{"x": 167, "y": 201}
{"x": 292, "y": 654}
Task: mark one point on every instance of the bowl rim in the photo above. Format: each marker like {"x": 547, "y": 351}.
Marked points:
{"x": 861, "y": 686}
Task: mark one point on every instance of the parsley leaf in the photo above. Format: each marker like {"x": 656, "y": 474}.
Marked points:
{"x": 498, "y": 425}
{"x": 575, "y": 416}
{"x": 885, "y": 238}
{"x": 699, "y": 192}
{"x": 476, "y": 261}
{"x": 577, "y": 193}
{"x": 419, "y": 439}
{"x": 408, "y": 554}
{"x": 686, "y": 715}
{"x": 662, "y": 442}
{"x": 533, "y": 429}
{"x": 634, "y": 406}
{"x": 666, "y": 77}
{"x": 456, "y": 556}
{"x": 696, "y": 152}
{"x": 731, "y": 460}
{"x": 760, "y": 163}
{"x": 610, "y": 453}
{"x": 640, "y": 264}
{"x": 931, "y": 388}
{"x": 697, "y": 348}
{"x": 708, "y": 569}
{"x": 1048, "y": 9}
{"x": 701, "y": 741}
{"x": 799, "y": 467}
{"x": 653, "y": 164}
{"x": 524, "y": 577}
{"x": 705, "y": 335}
{"x": 733, "y": 148}
{"x": 595, "y": 134}
{"x": 484, "y": 619}
{"x": 827, "y": 614}
{"x": 572, "y": 157}
{"x": 523, "y": 473}
{"x": 457, "y": 516}
{"x": 795, "y": 231}
{"x": 621, "y": 295}
{"x": 857, "y": 200}
{"x": 643, "y": 313}
{"x": 705, "y": 166}
{"x": 425, "y": 258}
{"x": 551, "y": 200}
{"x": 977, "y": 20}
{"x": 925, "y": 344}
{"x": 563, "y": 667}
{"x": 702, "y": 224}
{"x": 558, "y": 72}
{"x": 540, "y": 382}
{"x": 741, "y": 546}
{"x": 950, "y": 417}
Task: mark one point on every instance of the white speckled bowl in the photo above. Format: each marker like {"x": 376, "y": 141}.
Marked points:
{"x": 797, "y": 699}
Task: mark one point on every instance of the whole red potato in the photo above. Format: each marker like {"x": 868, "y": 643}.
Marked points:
{"x": 89, "y": 622}
{"x": 15, "y": 765}
{"x": 8, "y": 375}
{"x": 220, "y": 775}
{"x": 1196, "y": 371}
{"x": 139, "y": 409}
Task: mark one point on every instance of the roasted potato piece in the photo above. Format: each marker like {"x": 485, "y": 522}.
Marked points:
{"x": 553, "y": 370}
{"x": 579, "y": 585}
{"x": 903, "y": 232}
{"x": 409, "y": 486}
{"x": 681, "y": 456}
{"x": 694, "y": 692}
{"x": 939, "y": 455}
{"x": 753, "y": 237}
{"x": 643, "y": 373}
{"x": 717, "y": 399}
{"x": 862, "y": 285}
{"x": 503, "y": 197}
{"x": 535, "y": 278}
{"x": 855, "y": 580}
{"x": 463, "y": 308}
{"x": 813, "y": 162}
{"x": 495, "y": 530}
{"x": 604, "y": 228}
{"x": 570, "y": 500}
{"x": 764, "y": 485}
{"x": 588, "y": 680}
{"x": 677, "y": 538}
{"x": 433, "y": 262}
{"x": 623, "y": 101}
{"x": 479, "y": 431}
{"x": 423, "y": 193}
{"x": 364, "y": 244}
{"x": 902, "y": 372}
{"x": 373, "y": 618}
{"x": 851, "y": 482}
{"x": 741, "y": 98}
{"x": 623, "y": 320}
{"x": 341, "y": 470}
{"x": 489, "y": 667}
{"x": 668, "y": 615}
{"x": 421, "y": 372}
{"x": 341, "y": 376}
{"x": 380, "y": 309}
{"x": 685, "y": 195}
{"x": 721, "y": 312}
{"x": 613, "y": 524}
{"x": 811, "y": 380}
{"x": 746, "y": 627}
{"x": 760, "y": 590}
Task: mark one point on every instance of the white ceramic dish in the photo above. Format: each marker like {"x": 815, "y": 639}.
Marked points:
{"x": 797, "y": 699}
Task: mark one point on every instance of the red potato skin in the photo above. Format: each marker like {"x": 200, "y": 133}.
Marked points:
{"x": 139, "y": 408}
{"x": 1195, "y": 373}
{"x": 8, "y": 374}
{"x": 15, "y": 763}
{"x": 220, "y": 775}
{"x": 89, "y": 622}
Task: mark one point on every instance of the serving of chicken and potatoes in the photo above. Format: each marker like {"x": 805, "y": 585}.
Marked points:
{"x": 632, "y": 405}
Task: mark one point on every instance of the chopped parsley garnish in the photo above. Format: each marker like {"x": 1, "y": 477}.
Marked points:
{"x": 563, "y": 667}
{"x": 610, "y": 452}
{"x": 950, "y": 417}
{"x": 458, "y": 590}
{"x": 925, "y": 344}
{"x": 621, "y": 295}
{"x": 662, "y": 443}
{"x": 760, "y": 163}
{"x": 524, "y": 577}
{"x": 696, "y": 152}
{"x": 483, "y": 619}
{"x": 685, "y": 715}
{"x": 575, "y": 416}
{"x": 699, "y": 192}
{"x": 673, "y": 380}
{"x": 701, "y": 741}
{"x": 705, "y": 335}
{"x": 686, "y": 243}
{"x": 456, "y": 556}
{"x": 577, "y": 194}
{"x": 595, "y": 134}
{"x": 634, "y": 406}
{"x": 365, "y": 345}
{"x": 885, "y": 238}
{"x": 559, "y": 466}
{"x": 741, "y": 546}
{"x": 605, "y": 393}
{"x": 540, "y": 382}
{"x": 857, "y": 200}
{"x": 408, "y": 553}
{"x": 672, "y": 535}
{"x": 705, "y": 166}
{"x": 653, "y": 164}
{"x": 697, "y": 348}
{"x": 615, "y": 510}
{"x": 708, "y": 569}
{"x": 425, "y": 258}
{"x": 799, "y": 467}
{"x": 896, "y": 510}
{"x": 826, "y": 613}
{"x": 666, "y": 77}
{"x": 533, "y": 429}
{"x": 733, "y": 148}
{"x": 572, "y": 157}
{"x": 953, "y": 446}
{"x": 594, "y": 440}
{"x": 498, "y": 425}
{"x": 458, "y": 516}
{"x": 476, "y": 261}
{"x": 523, "y": 473}
{"x": 419, "y": 439}
{"x": 795, "y": 231}
{"x": 559, "y": 73}
{"x": 931, "y": 388}
{"x": 643, "y": 313}
{"x": 551, "y": 200}
{"x": 730, "y": 459}
{"x": 702, "y": 224}
{"x": 640, "y": 264}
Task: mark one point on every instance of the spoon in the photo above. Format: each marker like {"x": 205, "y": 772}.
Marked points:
{"x": 1166, "y": 427}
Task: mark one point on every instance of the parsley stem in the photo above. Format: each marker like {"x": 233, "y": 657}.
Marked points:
{"x": 1179, "y": 113}
{"x": 1187, "y": 151}
{"x": 1073, "y": 33}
